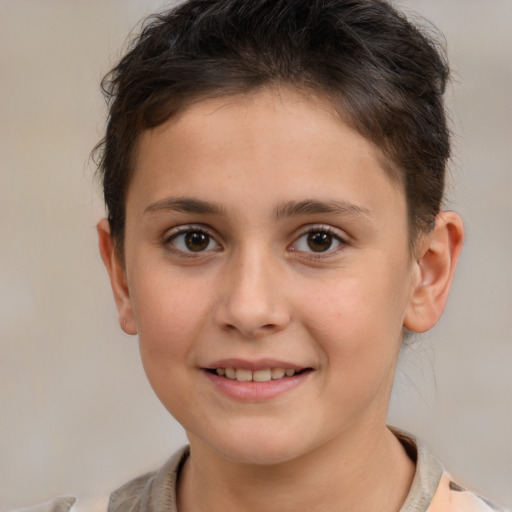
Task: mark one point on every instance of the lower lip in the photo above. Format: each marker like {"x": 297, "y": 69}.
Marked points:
{"x": 256, "y": 391}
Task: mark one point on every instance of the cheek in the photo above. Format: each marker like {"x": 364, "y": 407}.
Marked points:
{"x": 169, "y": 312}
{"x": 168, "y": 316}
{"x": 357, "y": 317}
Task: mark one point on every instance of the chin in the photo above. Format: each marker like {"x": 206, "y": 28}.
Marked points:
{"x": 256, "y": 447}
{"x": 257, "y": 454}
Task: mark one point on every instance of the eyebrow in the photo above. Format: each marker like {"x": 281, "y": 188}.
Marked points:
{"x": 287, "y": 209}
{"x": 184, "y": 205}
{"x": 312, "y": 206}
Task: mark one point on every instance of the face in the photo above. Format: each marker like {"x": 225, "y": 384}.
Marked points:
{"x": 267, "y": 274}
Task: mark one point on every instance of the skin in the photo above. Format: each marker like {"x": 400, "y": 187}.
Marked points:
{"x": 256, "y": 174}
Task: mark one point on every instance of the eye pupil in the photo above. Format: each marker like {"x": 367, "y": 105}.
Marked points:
{"x": 319, "y": 241}
{"x": 196, "y": 241}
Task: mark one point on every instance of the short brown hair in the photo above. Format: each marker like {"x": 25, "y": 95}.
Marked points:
{"x": 383, "y": 74}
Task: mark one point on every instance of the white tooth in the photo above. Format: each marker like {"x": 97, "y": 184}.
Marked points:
{"x": 243, "y": 375}
{"x": 221, "y": 371}
{"x": 290, "y": 372}
{"x": 231, "y": 373}
{"x": 277, "y": 373}
{"x": 262, "y": 375}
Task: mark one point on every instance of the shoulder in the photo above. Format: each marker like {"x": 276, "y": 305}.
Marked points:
{"x": 67, "y": 504}
{"x": 432, "y": 489}
{"x": 451, "y": 497}
{"x": 152, "y": 491}
{"x": 58, "y": 504}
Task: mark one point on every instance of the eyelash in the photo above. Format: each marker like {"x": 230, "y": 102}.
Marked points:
{"x": 171, "y": 238}
{"x": 340, "y": 241}
{"x": 176, "y": 233}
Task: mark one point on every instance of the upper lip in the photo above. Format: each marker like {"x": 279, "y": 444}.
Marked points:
{"x": 258, "y": 364}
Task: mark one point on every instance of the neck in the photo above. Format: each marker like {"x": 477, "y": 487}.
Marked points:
{"x": 335, "y": 476}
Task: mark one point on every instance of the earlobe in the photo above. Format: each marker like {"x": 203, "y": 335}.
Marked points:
{"x": 117, "y": 277}
{"x": 435, "y": 265}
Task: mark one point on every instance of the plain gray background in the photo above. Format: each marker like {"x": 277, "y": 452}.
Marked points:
{"x": 77, "y": 415}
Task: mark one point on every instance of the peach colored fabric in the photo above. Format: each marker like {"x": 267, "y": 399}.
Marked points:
{"x": 450, "y": 498}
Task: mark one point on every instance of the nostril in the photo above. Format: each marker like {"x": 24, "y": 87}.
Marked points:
{"x": 251, "y": 331}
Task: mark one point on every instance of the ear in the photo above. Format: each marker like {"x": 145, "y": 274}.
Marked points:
{"x": 117, "y": 277}
{"x": 436, "y": 259}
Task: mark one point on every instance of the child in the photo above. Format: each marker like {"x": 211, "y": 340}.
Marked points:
{"x": 273, "y": 173}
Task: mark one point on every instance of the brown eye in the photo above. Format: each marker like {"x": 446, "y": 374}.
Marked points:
{"x": 196, "y": 241}
{"x": 192, "y": 240}
{"x": 319, "y": 241}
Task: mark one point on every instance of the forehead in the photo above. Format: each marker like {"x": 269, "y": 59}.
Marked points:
{"x": 278, "y": 143}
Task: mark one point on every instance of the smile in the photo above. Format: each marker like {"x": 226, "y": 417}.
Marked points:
{"x": 263, "y": 375}
{"x": 255, "y": 381}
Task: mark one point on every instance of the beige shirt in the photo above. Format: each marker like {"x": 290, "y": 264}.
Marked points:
{"x": 432, "y": 489}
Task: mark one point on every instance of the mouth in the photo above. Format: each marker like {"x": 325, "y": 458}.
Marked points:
{"x": 256, "y": 381}
{"x": 261, "y": 375}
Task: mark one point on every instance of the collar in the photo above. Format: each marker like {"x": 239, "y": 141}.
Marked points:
{"x": 156, "y": 491}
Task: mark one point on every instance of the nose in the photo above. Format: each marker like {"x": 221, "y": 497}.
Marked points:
{"x": 252, "y": 300}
